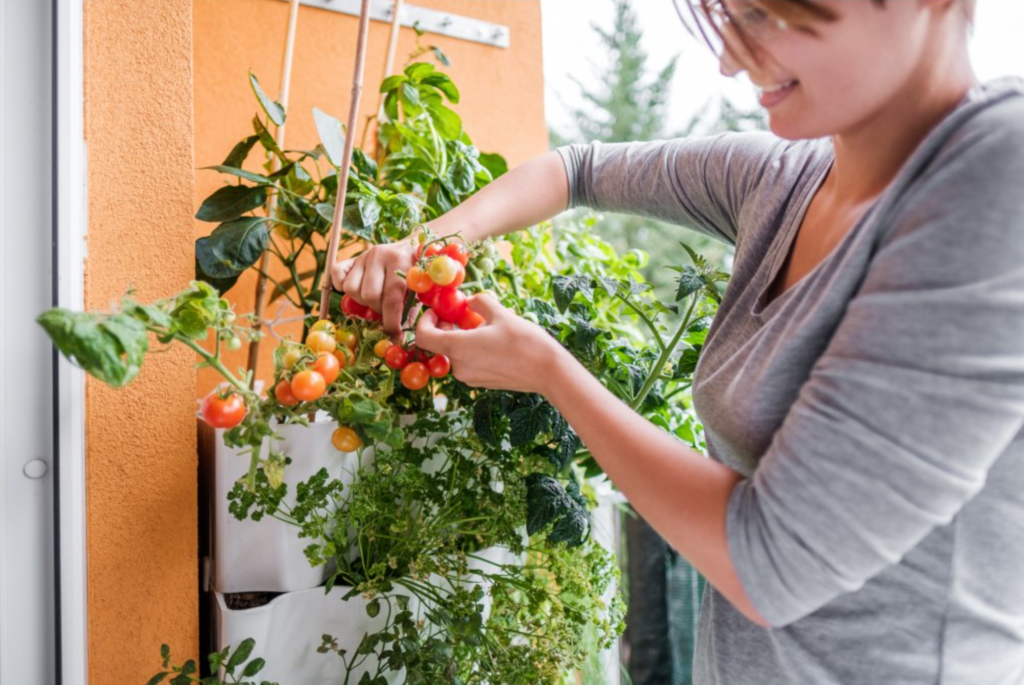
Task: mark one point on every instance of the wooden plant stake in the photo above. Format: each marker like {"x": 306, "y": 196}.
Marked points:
{"x": 346, "y": 161}
{"x": 261, "y": 279}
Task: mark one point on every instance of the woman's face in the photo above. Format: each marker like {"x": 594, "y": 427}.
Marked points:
{"x": 846, "y": 75}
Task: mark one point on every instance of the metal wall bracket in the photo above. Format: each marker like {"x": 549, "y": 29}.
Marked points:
{"x": 428, "y": 20}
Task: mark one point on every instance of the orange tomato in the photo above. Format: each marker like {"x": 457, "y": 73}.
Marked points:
{"x": 283, "y": 393}
{"x": 328, "y": 366}
{"x": 308, "y": 385}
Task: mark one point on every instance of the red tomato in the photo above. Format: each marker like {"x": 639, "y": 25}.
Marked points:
{"x": 223, "y": 412}
{"x": 372, "y": 315}
{"x": 449, "y": 305}
{"x": 328, "y": 366}
{"x": 352, "y": 308}
{"x": 469, "y": 320}
{"x": 283, "y": 393}
{"x": 439, "y": 366}
{"x": 308, "y": 385}
{"x": 433, "y": 250}
{"x": 415, "y": 376}
{"x": 428, "y": 298}
{"x": 396, "y": 357}
{"x": 457, "y": 251}
{"x": 418, "y": 280}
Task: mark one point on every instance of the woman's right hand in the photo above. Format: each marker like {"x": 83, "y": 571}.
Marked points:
{"x": 371, "y": 279}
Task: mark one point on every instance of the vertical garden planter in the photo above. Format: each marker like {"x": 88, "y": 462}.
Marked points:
{"x": 290, "y": 628}
{"x": 267, "y": 555}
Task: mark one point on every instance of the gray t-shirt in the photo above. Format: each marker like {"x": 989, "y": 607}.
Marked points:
{"x": 875, "y": 408}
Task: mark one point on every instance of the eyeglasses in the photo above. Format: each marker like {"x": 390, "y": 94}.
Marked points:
{"x": 725, "y": 17}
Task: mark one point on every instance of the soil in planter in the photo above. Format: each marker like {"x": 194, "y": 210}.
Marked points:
{"x": 249, "y": 600}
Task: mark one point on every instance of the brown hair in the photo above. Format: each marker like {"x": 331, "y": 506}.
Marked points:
{"x": 801, "y": 15}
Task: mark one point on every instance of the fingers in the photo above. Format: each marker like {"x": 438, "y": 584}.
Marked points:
{"x": 353, "y": 282}
{"x": 392, "y": 303}
{"x": 487, "y": 306}
{"x": 372, "y": 285}
{"x": 339, "y": 270}
{"x": 429, "y": 336}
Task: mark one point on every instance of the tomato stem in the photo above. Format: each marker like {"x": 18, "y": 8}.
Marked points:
{"x": 664, "y": 357}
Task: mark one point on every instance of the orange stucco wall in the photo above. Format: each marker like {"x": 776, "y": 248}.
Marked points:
{"x": 502, "y": 104}
{"x": 141, "y": 444}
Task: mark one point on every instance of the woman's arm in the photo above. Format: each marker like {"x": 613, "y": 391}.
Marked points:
{"x": 681, "y": 494}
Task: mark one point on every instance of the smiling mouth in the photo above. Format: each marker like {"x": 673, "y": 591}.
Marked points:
{"x": 777, "y": 87}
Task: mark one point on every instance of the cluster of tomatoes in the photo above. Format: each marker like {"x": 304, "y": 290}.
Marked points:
{"x": 435, "y": 278}
{"x": 415, "y": 366}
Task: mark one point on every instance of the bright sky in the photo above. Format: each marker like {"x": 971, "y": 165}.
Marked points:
{"x": 571, "y": 47}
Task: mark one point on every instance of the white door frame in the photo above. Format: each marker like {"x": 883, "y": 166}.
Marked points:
{"x": 70, "y": 224}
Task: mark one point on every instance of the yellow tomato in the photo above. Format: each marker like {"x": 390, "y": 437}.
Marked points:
{"x": 347, "y": 338}
{"x": 323, "y": 325}
{"x": 382, "y": 347}
{"x": 321, "y": 341}
{"x": 292, "y": 355}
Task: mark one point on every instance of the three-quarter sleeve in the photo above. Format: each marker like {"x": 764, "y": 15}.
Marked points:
{"x": 699, "y": 182}
{"x": 918, "y": 392}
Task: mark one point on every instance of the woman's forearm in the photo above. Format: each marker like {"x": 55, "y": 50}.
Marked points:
{"x": 683, "y": 495}
{"x": 530, "y": 193}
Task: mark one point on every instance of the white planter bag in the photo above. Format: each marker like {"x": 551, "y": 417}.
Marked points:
{"x": 267, "y": 555}
{"x": 289, "y": 629}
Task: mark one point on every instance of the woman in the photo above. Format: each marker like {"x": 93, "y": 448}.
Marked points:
{"x": 862, "y": 387}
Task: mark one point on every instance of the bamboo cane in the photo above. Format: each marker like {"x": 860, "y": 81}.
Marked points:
{"x": 261, "y": 279}
{"x": 372, "y": 121}
{"x": 346, "y": 162}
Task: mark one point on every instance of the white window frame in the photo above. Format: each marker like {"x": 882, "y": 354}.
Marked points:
{"x": 70, "y": 224}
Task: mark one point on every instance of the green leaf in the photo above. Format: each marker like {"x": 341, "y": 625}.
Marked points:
{"x": 241, "y": 654}
{"x": 332, "y": 135}
{"x": 489, "y": 414}
{"x": 274, "y": 110}
{"x": 444, "y": 84}
{"x": 195, "y": 310}
{"x": 494, "y": 163}
{"x": 416, "y": 72}
{"x": 391, "y": 106}
{"x": 108, "y": 347}
{"x": 531, "y": 418}
{"x": 369, "y": 210}
{"x": 461, "y": 175}
{"x": 373, "y": 608}
{"x": 266, "y": 139}
{"x": 239, "y": 152}
{"x": 221, "y": 284}
{"x": 547, "y": 502}
{"x": 566, "y": 287}
{"x": 233, "y": 247}
{"x": 446, "y": 120}
{"x": 410, "y": 98}
{"x": 241, "y": 173}
{"x": 158, "y": 678}
{"x": 441, "y": 57}
{"x": 253, "y": 667}
{"x": 690, "y": 281}
{"x": 687, "y": 364}
{"x": 283, "y": 287}
{"x": 231, "y": 202}
{"x": 392, "y": 82}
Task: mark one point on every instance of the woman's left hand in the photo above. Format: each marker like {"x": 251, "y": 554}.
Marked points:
{"x": 505, "y": 353}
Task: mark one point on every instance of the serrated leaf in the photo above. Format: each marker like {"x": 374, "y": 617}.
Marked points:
{"x": 275, "y": 112}
{"x": 489, "y": 414}
{"x": 332, "y": 136}
{"x": 690, "y": 281}
{"x": 231, "y": 202}
{"x": 110, "y": 348}
{"x": 531, "y": 418}
{"x": 566, "y": 288}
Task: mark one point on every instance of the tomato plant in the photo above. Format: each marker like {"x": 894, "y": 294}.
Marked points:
{"x": 222, "y": 411}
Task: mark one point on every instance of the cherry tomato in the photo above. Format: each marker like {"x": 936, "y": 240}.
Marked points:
{"x": 345, "y": 439}
{"x": 328, "y": 366}
{"x": 428, "y": 298}
{"x": 223, "y": 412}
{"x": 235, "y": 343}
{"x": 344, "y": 357}
{"x": 346, "y": 338}
{"x": 382, "y": 347}
{"x": 372, "y": 315}
{"x": 415, "y": 376}
{"x": 456, "y": 251}
{"x": 323, "y": 325}
{"x": 449, "y": 305}
{"x": 433, "y": 250}
{"x": 321, "y": 341}
{"x": 439, "y": 366}
{"x": 418, "y": 280}
{"x": 283, "y": 393}
{"x": 308, "y": 385}
{"x": 469, "y": 320}
{"x": 396, "y": 357}
{"x": 443, "y": 270}
{"x": 418, "y": 355}
{"x": 352, "y": 308}
{"x": 292, "y": 355}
